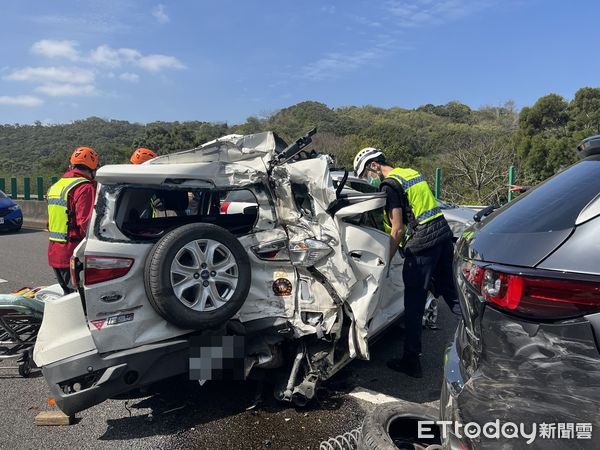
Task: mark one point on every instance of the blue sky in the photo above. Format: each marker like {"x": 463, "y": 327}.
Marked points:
{"x": 226, "y": 60}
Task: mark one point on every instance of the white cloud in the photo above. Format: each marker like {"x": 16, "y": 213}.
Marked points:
{"x": 329, "y": 9}
{"x": 20, "y": 100}
{"x": 415, "y": 13}
{"x": 62, "y": 90}
{"x": 117, "y": 57}
{"x": 56, "y": 49}
{"x": 334, "y": 65}
{"x": 73, "y": 75}
{"x": 111, "y": 57}
{"x": 160, "y": 15}
{"x": 155, "y": 63}
{"x": 131, "y": 77}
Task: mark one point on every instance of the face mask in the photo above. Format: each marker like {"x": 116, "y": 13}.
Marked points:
{"x": 374, "y": 181}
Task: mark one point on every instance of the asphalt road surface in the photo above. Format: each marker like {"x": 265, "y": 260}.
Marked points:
{"x": 179, "y": 413}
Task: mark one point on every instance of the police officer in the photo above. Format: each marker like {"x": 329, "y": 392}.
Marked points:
{"x": 70, "y": 207}
{"x": 420, "y": 232}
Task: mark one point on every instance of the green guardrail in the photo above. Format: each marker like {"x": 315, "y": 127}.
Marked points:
{"x": 42, "y": 184}
{"x": 13, "y": 187}
{"x": 26, "y": 188}
{"x": 40, "y": 188}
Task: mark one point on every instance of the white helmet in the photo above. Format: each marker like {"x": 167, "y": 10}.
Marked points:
{"x": 363, "y": 157}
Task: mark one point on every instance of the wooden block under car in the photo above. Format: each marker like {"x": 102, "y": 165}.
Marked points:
{"x": 49, "y": 418}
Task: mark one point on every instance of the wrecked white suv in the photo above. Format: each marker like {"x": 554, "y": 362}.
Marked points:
{"x": 301, "y": 275}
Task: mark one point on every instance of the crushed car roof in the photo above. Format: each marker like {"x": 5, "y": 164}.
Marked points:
{"x": 231, "y": 148}
{"x": 229, "y": 160}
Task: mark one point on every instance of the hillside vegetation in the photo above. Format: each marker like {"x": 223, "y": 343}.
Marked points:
{"x": 474, "y": 148}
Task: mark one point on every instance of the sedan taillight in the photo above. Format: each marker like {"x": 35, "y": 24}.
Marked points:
{"x": 533, "y": 296}
{"x": 105, "y": 268}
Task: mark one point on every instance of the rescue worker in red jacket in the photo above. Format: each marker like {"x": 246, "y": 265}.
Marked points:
{"x": 70, "y": 207}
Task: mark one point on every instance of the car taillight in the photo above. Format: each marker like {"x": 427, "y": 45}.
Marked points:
{"x": 74, "y": 269}
{"x": 105, "y": 268}
{"x": 307, "y": 252}
{"x": 272, "y": 251}
{"x": 225, "y": 207}
{"x": 473, "y": 274}
{"x": 534, "y": 297}
{"x": 502, "y": 289}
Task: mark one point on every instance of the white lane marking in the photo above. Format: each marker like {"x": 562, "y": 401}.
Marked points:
{"x": 371, "y": 396}
{"x": 3, "y": 281}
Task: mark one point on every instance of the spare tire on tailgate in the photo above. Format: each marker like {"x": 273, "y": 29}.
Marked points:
{"x": 197, "y": 276}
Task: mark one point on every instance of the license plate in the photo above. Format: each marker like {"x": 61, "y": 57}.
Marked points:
{"x": 1, "y": 221}
{"x": 216, "y": 358}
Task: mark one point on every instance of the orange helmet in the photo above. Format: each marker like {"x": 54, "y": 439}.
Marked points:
{"x": 86, "y": 156}
{"x": 142, "y": 155}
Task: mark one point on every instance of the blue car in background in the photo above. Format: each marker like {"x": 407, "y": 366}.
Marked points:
{"x": 11, "y": 216}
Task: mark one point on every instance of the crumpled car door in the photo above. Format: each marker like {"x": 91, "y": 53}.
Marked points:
{"x": 375, "y": 301}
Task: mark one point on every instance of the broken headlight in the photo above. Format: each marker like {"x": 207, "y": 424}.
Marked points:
{"x": 307, "y": 252}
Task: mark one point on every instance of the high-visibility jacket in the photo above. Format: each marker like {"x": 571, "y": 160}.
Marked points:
{"x": 421, "y": 201}
{"x": 59, "y": 215}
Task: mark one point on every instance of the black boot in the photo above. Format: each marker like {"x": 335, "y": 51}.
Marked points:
{"x": 408, "y": 364}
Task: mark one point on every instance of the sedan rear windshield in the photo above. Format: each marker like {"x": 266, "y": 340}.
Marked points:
{"x": 552, "y": 206}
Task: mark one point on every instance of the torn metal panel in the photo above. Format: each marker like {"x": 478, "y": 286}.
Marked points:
{"x": 284, "y": 198}
{"x": 230, "y": 148}
{"x": 316, "y": 306}
{"x": 315, "y": 175}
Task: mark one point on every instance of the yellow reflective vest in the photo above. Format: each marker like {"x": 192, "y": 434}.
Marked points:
{"x": 421, "y": 200}
{"x": 58, "y": 213}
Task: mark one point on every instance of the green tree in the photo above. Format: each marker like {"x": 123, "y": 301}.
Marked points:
{"x": 585, "y": 111}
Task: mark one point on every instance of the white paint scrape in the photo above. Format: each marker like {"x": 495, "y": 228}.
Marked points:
{"x": 370, "y": 396}
{"x": 3, "y": 281}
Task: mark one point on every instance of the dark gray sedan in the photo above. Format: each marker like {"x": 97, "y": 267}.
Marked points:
{"x": 527, "y": 350}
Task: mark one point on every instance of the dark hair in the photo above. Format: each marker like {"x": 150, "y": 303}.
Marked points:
{"x": 82, "y": 167}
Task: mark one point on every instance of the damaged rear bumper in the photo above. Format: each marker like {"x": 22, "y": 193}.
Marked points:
{"x": 528, "y": 374}
{"x": 85, "y": 380}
